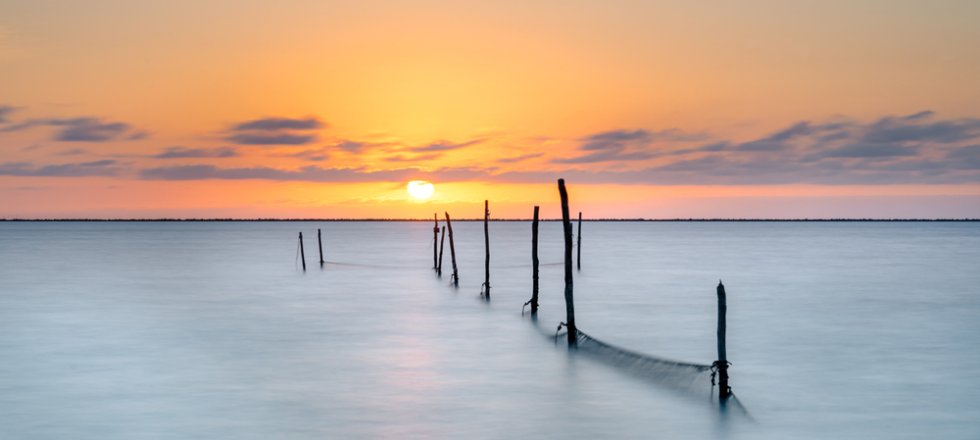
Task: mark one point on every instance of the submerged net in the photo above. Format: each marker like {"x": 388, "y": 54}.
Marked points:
{"x": 684, "y": 377}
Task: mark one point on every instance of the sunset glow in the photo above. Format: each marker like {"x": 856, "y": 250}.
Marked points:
{"x": 649, "y": 109}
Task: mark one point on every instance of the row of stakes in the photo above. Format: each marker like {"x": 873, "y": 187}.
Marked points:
{"x": 719, "y": 367}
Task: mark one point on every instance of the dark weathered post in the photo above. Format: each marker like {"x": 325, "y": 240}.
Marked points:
{"x": 578, "y": 247}
{"x": 302, "y": 253}
{"x": 435, "y": 239}
{"x": 452, "y": 251}
{"x": 569, "y": 304}
{"x": 486, "y": 242}
{"x": 534, "y": 263}
{"x": 319, "y": 243}
{"x": 442, "y": 243}
{"x": 724, "y": 391}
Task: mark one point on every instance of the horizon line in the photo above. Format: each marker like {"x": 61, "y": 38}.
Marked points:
{"x": 380, "y": 219}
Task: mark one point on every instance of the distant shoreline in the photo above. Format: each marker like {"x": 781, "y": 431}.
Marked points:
{"x": 703, "y": 220}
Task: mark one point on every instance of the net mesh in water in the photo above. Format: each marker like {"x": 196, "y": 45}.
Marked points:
{"x": 685, "y": 377}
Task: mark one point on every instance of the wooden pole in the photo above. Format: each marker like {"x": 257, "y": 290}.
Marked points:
{"x": 452, "y": 251}
{"x": 534, "y": 263}
{"x": 569, "y": 304}
{"x": 319, "y": 243}
{"x": 486, "y": 242}
{"x": 578, "y": 247}
{"x": 442, "y": 244}
{"x": 435, "y": 238}
{"x": 724, "y": 391}
{"x": 302, "y": 253}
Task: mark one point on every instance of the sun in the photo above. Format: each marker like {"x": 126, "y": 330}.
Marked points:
{"x": 420, "y": 189}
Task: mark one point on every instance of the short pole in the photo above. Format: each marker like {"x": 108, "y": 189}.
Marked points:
{"x": 578, "y": 247}
{"x": 442, "y": 244}
{"x": 724, "y": 391}
{"x": 452, "y": 251}
{"x": 302, "y": 253}
{"x": 435, "y": 238}
{"x": 486, "y": 242}
{"x": 534, "y": 263}
{"x": 569, "y": 303}
{"x": 319, "y": 243}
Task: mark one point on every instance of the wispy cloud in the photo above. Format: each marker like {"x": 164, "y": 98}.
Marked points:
{"x": 79, "y": 169}
{"x": 6, "y": 110}
{"x": 627, "y": 145}
{"x": 275, "y": 131}
{"x": 521, "y": 158}
{"x": 179, "y": 152}
{"x": 82, "y": 129}
{"x": 443, "y": 146}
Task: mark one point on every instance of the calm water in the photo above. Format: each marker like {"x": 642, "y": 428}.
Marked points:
{"x": 208, "y": 330}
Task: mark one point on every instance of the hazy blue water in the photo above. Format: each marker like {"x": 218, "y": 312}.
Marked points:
{"x": 208, "y": 330}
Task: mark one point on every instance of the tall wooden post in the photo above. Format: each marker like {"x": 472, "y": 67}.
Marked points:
{"x": 442, "y": 244}
{"x": 724, "y": 391}
{"x": 578, "y": 247}
{"x": 452, "y": 250}
{"x": 435, "y": 239}
{"x": 486, "y": 242}
{"x": 302, "y": 253}
{"x": 319, "y": 243}
{"x": 534, "y": 263}
{"x": 569, "y": 304}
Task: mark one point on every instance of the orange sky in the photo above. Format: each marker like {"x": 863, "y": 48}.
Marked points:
{"x": 648, "y": 109}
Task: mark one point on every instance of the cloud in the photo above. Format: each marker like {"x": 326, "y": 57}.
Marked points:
{"x": 309, "y": 174}
{"x": 80, "y": 169}
{"x": 444, "y": 146}
{"x": 179, "y": 152}
{"x": 627, "y": 145}
{"x": 521, "y": 158}
{"x": 6, "y": 110}
{"x": 73, "y": 152}
{"x": 913, "y": 128}
{"x": 275, "y": 131}
{"x": 82, "y": 129}
{"x": 420, "y": 157}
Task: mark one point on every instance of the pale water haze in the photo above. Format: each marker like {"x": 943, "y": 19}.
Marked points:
{"x": 178, "y": 330}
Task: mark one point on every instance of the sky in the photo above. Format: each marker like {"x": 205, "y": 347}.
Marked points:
{"x": 648, "y": 109}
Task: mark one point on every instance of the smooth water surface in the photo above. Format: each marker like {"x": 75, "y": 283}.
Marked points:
{"x": 180, "y": 330}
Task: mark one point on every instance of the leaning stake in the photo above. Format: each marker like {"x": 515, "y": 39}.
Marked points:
{"x": 486, "y": 242}
{"x": 569, "y": 305}
{"x": 724, "y": 391}
{"x": 319, "y": 243}
{"x": 578, "y": 247}
{"x": 442, "y": 244}
{"x": 435, "y": 239}
{"x": 534, "y": 263}
{"x": 452, "y": 251}
{"x": 302, "y": 253}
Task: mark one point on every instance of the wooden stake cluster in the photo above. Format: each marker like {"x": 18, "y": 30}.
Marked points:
{"x": 569, "y": 303}
{"x": 452, "y": 251}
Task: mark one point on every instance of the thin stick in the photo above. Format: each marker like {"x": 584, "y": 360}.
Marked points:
{"x": 435, "y": 238}
{"x": 724, "y": 391}
{"x": 452, "y": 251}
{"x": 578, "y": 248}
{"x": 442, "y": 243}
{"x": 302, "y": 253}
{"x": 486, "y": 241}
{"x": 534, "y": 263}
{"x": 319, "y": 243}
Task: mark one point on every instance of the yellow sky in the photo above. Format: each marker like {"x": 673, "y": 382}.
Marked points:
{"x": 649, "y": 109}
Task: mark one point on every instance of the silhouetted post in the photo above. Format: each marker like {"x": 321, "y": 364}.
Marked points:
{"x": 578, "y": 248}
{"x": 302, "y": 253}
{"x": 452, "y": 251}
{"x": 435, "y": 238}
{"x": 319, "y": 243}
{"x": 569, "y": 305}
{"x": 486, "y": 241}
{"x": 723, "y": 391}
{"x": 442, "y": 243}
{"x": 534, "y": 263}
